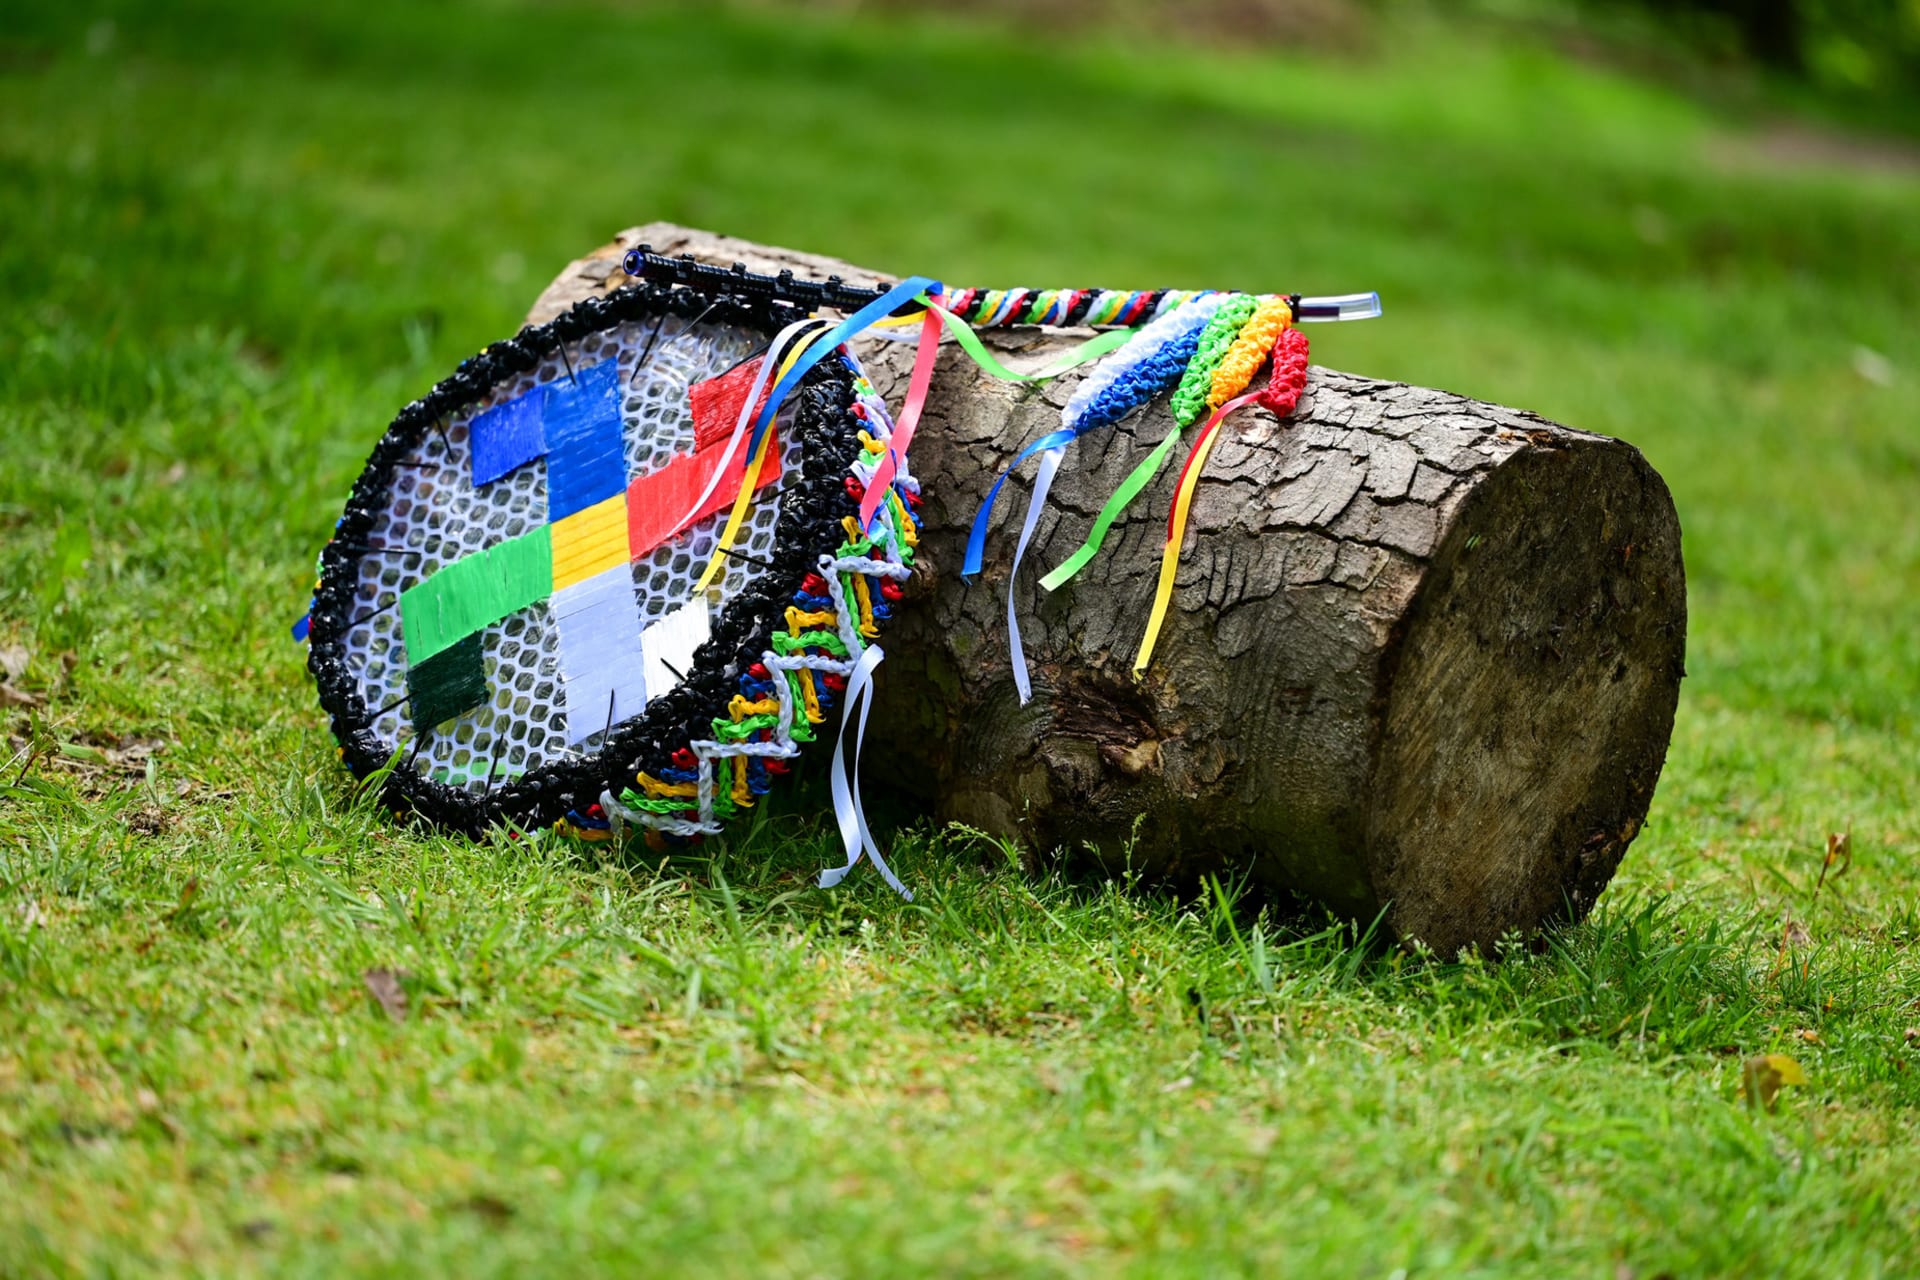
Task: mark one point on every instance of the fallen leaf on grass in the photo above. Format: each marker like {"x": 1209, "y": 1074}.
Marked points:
{"x": 492, "y": 1208}
{"x": 17, "y": 697}
{"x": 148, "y": 821}
{"x": 13, "y": 661}
{"x": 386, "y": 988}
{"x": 188, "y": 892}
{"x": 1764, "y": 1075}
{"x": 1839, "y": 849}
{"x": 132, "y": 755}
{"x": 106, "y": 765}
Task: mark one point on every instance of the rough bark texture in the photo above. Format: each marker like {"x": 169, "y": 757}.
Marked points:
{"x": 1424, "y": 652}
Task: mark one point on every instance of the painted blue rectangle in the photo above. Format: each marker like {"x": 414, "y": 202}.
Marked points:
{"x": 508, "y": 436}
{"x": 586, "y": 455}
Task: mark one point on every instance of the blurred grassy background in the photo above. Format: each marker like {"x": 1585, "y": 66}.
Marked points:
{"x": 236, "y": 237}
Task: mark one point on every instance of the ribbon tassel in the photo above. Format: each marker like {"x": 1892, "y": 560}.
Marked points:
{"x": 796, "y": 368}
{"x": 854, "y": 833}
{"x": 1281, "y": 396}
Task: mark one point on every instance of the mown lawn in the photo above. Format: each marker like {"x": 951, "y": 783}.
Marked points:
{"x": 234, "y": 239}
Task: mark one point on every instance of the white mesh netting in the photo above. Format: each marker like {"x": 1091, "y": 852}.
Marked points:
{"x": 435, "y": 516}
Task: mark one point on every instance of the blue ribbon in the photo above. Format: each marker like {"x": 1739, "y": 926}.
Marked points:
{"x": 977, "y": 539}
{"x": 1141, "y": 378}
{"x": 882, "y": 306}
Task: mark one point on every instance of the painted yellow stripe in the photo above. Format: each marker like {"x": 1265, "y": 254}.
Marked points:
{"x": 590, "y": 542}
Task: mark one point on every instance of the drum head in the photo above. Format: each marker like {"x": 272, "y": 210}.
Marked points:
{"x": 510, "y": 613}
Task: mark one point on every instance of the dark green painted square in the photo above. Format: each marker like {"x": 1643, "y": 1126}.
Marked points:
{"x": 449, "y": 683}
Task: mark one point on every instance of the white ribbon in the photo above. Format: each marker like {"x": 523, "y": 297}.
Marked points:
{"x": 846, "y": 786}
{"x": 768, "y": 363}
{"x": 1042, "y": 482}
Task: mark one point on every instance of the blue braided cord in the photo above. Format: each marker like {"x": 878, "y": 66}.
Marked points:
{"x": 1151, "y": 363}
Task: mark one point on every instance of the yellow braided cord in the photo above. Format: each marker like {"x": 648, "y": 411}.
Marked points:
{"x": 1249, "y": 350}
{"x": 797, "y": 621}
{"x": 863, "y": 595}
{"x": 657, "y": 789}
{"x": 902, "y": 524}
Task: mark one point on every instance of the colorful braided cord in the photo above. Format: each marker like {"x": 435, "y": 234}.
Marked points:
{"x": 1190, "y": 397}
{"x": 1289, "y": 378}
{"x": 1249, "y": 350}
{"x": 1142, "y": 369}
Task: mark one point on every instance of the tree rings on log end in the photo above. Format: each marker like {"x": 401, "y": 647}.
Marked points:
{"x": 1525, "y": 713}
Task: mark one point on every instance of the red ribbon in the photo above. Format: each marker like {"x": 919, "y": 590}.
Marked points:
{"x": 909, "y": 418}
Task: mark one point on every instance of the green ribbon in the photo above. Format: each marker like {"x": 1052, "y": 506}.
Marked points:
{"x": 969, "y": 341}
{"x": 1129, "y": 489}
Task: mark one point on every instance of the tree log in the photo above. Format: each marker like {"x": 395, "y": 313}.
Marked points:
{"x": 1423, "y": 657}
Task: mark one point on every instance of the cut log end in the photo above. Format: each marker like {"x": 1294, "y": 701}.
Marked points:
{"x": 1528, "y": 707}
{"x": 1423, "y": 656}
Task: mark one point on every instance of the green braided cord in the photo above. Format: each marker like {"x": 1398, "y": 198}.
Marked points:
{"x": 802, "y": 728}
{"x": 666, "y": 804}
{"x": 784, "y": 644}
{"x": 728, "y": 731}
{"x": 1190, "y": 398}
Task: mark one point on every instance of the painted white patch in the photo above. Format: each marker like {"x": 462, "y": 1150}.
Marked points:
{"x": 667, "y": 646}
{"x": 597, "y": 620}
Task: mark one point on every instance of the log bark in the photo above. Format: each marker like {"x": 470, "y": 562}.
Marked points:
{"x": 1423, "y": 657}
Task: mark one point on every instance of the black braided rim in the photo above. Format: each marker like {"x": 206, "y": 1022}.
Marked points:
{"x": 825, "y": 434}
{"x": 643, "y": 263}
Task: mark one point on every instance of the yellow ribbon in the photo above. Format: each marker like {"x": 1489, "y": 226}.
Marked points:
{"x": 752, "y": 479}
{"x": 1177, "y": 528}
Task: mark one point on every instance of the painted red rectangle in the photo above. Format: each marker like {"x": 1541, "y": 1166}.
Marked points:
{"x": 657, "y": 503}
{"x": 717, "y": 402}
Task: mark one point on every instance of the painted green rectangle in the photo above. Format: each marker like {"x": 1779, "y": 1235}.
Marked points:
{"x": 476, "y": 592}
{"x": 450, "y": 683}
{"x": 523, "y": 569}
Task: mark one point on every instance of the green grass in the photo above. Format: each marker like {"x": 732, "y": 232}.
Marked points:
{"x": 233, "y": 240}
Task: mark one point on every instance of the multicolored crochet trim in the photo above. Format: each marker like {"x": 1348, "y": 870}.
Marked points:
{"x": 830, "y": 622}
